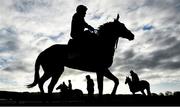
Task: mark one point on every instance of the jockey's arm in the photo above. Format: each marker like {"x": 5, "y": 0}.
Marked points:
{"x": 89, "y": 26}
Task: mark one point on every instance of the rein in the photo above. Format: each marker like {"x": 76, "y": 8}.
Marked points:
{"x": 116, "y": 43}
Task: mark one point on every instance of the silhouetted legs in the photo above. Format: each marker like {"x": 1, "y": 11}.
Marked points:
{"x": 110, "y": 76}
{"x": 55, "y": 77}
{"x": 100, "y": 82}
{"x": 148, "y": 90}
{"x": 45, "y": 77}
{"x": 50, "y": 71}
{"x": 142, "y": 91}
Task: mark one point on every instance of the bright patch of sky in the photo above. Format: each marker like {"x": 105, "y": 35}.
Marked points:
{"x": 27, "y": 27}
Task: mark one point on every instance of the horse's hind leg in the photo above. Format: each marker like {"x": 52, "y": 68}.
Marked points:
{"x": 45, "y": 77}
{"x": 109, "y": 75}
{"x": 148, "y": 91}
{"x": 55, "y": 76}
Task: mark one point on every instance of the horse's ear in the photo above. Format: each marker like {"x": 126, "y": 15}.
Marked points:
{"x": 117, "y": 17}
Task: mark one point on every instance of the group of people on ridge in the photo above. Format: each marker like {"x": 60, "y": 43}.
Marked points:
{"x": 90, "y": 83}
{"x": 90, "y": 86}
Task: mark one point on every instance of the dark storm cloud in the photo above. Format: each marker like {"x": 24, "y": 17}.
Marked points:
{"x": 161, "y": 58}
{"x": 169, "y": 41}
{"x": 41, "y": 38}
{"x": 4, "y": 61}
{"x": 26, "y": 6}
{"x": 168, "y": 54}
{"x": 17, "y": 67}
{"x": 129, "y": 54}
{"x": 163, "y": 49}
{"x": 96, "y": 17}
{"x": 161, "y": 4}
{"x": 9, "y": 41}
{"x": 160, "y": 34}
{"x": 133, "y": 8}
{"x": 56, "y": 37}
{"x": 153, "y": 76}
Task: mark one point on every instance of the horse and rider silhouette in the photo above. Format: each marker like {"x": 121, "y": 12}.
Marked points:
{"x": 86, "y": 51}
{"x": 136, "y": 85}
{"x": 67, "y": 91}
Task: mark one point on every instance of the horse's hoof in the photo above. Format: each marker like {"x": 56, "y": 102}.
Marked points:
{"x": 113, "y": 93}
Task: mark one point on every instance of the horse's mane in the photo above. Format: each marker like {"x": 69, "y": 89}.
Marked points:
{"x": 128, "y": 78}
{"x": 105, "y": 28}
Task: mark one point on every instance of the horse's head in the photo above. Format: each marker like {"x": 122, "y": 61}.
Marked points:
{"x": 120, "y": 30}
{"x": 59, "y": 87}
{"x": 127, "y": 80}
{"x": 115, "y": 30}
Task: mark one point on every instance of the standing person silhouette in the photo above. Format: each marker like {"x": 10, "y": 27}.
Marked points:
{"x": 135, "y": 78}
{"x": 90, "y": 85}
{"x": 69, "y": 85}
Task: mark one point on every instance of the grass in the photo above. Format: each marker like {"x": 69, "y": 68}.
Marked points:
{"x": 26, "y": 98}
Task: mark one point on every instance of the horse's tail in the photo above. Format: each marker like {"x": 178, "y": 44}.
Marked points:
{"x": 36, "y": 75}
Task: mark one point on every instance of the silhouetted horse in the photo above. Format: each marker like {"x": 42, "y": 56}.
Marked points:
{"x": 99, "y": 59}
{"x": 141, "y": 86}
{"x": 70, "y": 93}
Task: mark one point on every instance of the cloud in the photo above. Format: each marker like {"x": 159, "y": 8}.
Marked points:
{"x": 164, "y": 58}
{"x": 26, "y": 6}
{"x": 8, "y": 39}
{"x": 27, "y": 27}
{"x": 147, "y": 27}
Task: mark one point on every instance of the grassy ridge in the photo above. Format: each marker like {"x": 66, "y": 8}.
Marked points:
{"x": 25, "y": 98}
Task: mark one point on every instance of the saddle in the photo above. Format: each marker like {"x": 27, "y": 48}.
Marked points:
{"x": 83, "y": 43}
{"x": 80, "y": 48}
{"x": 136, "y": 85}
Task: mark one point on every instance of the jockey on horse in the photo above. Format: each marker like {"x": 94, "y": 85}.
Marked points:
{"x": 79, "y": 36}
{"x": 135, "y": 78}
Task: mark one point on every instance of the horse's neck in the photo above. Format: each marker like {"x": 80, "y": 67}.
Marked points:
{"x": 106, "y": 35}
{"x": 130, "y": 84}
{"x": 108, "y": 43}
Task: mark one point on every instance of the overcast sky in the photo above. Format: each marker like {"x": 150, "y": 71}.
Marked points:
{"x": 27, "y": 27}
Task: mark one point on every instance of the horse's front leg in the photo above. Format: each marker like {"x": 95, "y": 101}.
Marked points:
{"x": 110, "y": 76}
{"x": 133, "y": 93}
{"x": 142, "y": 91}
{"x": 100, "y": 82}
